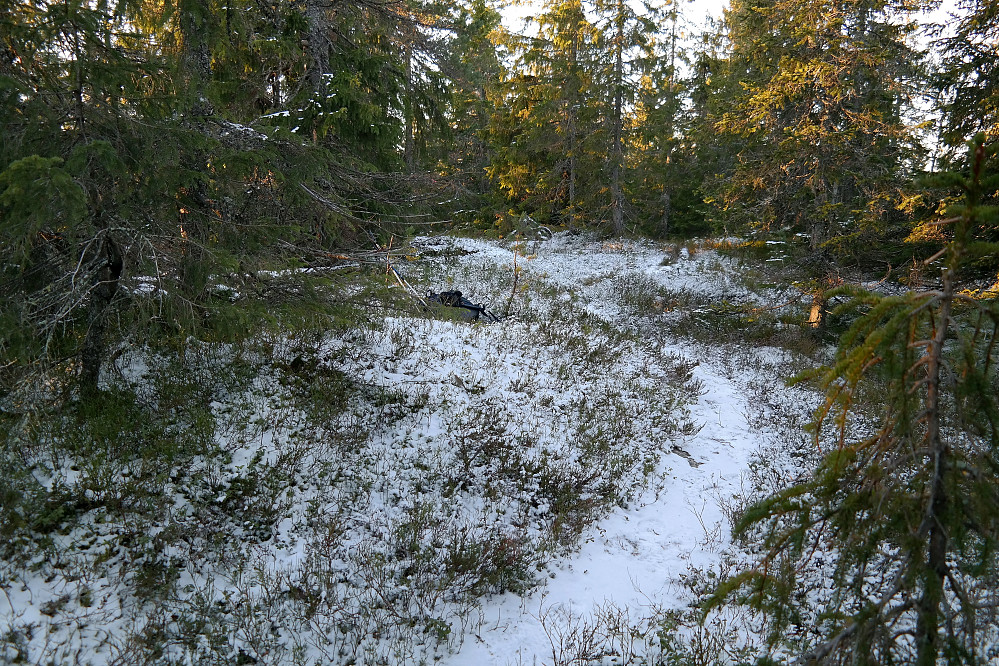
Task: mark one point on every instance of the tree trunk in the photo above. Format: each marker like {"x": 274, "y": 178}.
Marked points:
{"x": 409, "y": 147}
{"x": 196, "y": 58}
{"x": 935, "y": 570}
{"x": 667, "y": 211}
{"x": 571, "y": 125}
{"x": 103, "y": 293}
{"x": 482, "y": 145}
{"x": 617, "y": 151}
{"x": 816, "y": 235}
{"x": 319, "y": 44}
{"x": 816, "y": 316}
{"x": 572, "y": 163}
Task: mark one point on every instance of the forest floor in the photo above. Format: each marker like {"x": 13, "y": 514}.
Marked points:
{"x": 638, "y": 569}
{"x": 554, "y": 488}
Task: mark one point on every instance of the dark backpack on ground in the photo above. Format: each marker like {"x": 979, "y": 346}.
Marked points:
{"x": 468, "y": 310}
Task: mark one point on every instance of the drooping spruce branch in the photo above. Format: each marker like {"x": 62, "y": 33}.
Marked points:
{"x": 907, "y": 512}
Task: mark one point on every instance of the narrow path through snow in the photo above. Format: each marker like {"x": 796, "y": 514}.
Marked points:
{"x": 634, "y": 557}
{"x": 352, "y": 530}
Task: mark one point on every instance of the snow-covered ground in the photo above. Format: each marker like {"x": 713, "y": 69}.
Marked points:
{"x": 322, "y": 536}
{"x": 633, "y": 558}
{"x": 631, "y": 563}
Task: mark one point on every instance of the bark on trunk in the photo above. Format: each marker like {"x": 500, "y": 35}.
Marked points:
{"x": 617, "y": 197}
{"x": 319, "y": 44}
{"x": 667, "y": 211}
{"x": 92, "y": 350}
{"x": 816, "y": 235}
{"x": 571, "y": 127}
{"x": 409, "y": 148}
{"x": 928, "y": 607}
{"x": 196, "y": 58}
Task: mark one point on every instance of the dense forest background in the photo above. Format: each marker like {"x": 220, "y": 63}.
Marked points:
{"x": 168, "y": 142}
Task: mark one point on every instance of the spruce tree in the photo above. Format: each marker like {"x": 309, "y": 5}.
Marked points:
{"x": 473, "y": 65}
{"x": 543, "y": 160}
{"x": 821, "y": 114}
{"x": 907, "y": 513}
{"x": 152, "y": 153}
{"x": 669, "y": 153}
{"x": 625, "y": 40}
{"x": 969, "y": 73}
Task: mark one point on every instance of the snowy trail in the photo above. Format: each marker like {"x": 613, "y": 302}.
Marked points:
{"x": 634, "y": 557}
{"x": 442, "y": 452}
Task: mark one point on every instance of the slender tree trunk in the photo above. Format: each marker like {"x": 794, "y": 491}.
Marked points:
{"x": 78, "y": 93}
{"x": 103, "y": 293}
{"x": 481, "y": 144}
{"x": 276, "y": 87}
{"x": 572, "y": 170}
{"x": 409, "y": 147}
{"x": 617, "y": 151}
{"x": 816, "y": 234}
{"x": 319, "y": 46}
{"x": 667, "y": 199}
{"x": 935, "y": 571}
{"x": 571, "y": 128}
{"x": 196, "y": 58}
